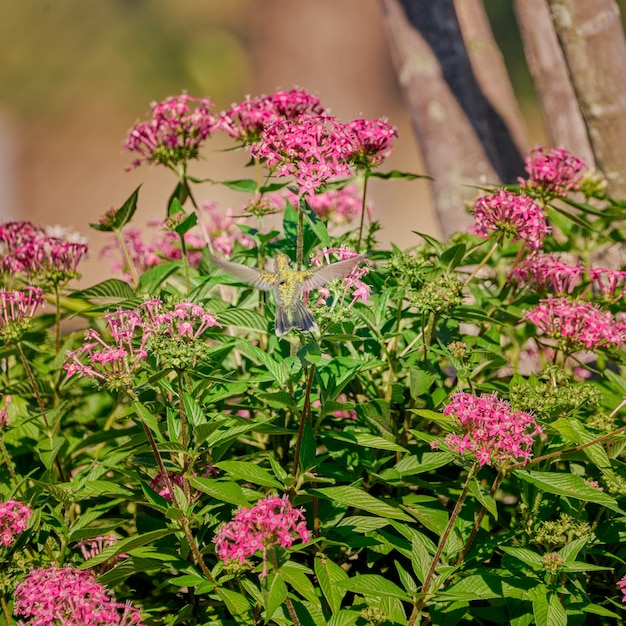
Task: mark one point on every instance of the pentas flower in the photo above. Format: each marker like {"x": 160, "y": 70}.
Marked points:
{"x": 31, "y": 250}
{"x": 338, "y": 206}
{"x": 553, "y": 171}
{"x": 17, "y": 308}
{"x": 372, "y": 141}
{"x": 352, "y": 288}
{"x": 247, "y": 120}
{"x": 271, "y": 522}
{"x": 174, "y": 133}
{"x": 621, "y": 584}
{"x": 489, "y": 429}
{"x": 13, "y": 520}
{"x": 312, "y": 149}
{"x": 504, "y": 212}
{"x": 184, "y": 320}
{"x": 547, "y": 271}
{"x": 160, "y": 484}
{"x": 69, "y": 597}
{"x": 222, "y": 230}
{"x": 610, "y": 283}
{"x": 576, "y": 324}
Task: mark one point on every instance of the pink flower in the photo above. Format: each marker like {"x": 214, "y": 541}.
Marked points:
{"x": 490, "y": 430}
{"x": 272, "y": 521}
{"x": 547, "y": 271}
{"x": 621, "y": 584}
{"x": 512, "y": 215}
{"x": 17, "y": 308}
{"x": 553, "y": 172}
{"x": 13, "y": 520}
{"x": 372, "y": 141}
{"x": 312, "y": 149}
{"x": 175, "y": 132}
{"x": 160, "y": 484}
{"x": 247, "y": 120}
{"x": 576, "y": 323}
{"x": 69, "y": 597}
{"x": 610, "y": 283}
{"x": 351, "y": 286}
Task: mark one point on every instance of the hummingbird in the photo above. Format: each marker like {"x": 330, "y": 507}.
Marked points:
{"x": 288, "y": 285}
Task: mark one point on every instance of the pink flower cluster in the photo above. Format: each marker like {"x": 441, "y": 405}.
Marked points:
{"x": 272, "y": 521}
{"x": 548, "y": 272}
{"x": 174, "y": 133}
{"x": 621, "y": 584}
{"x": 160, "y": 484}
{"x": 69, "y": 597}
{"x": 247, "y": 120}
{"x": 553, "y": 171}
{"x": 29, "y": 250}
{"x": 371, "y": 140}
{"x": 352, "y": 287}
{"x": 312, "y": 149}
{"x": 490, "y": 430}
{"x": 13, "y": 520}
{"x": 517, "y": 216}
{"x": 610, "y": 283}
{"x": 339, "y": 206}
{"x": 576, "y": 323}
{"x": 93, "y": 547}
{"x": 130, "y": 331}
{"x": 18, "y": 305}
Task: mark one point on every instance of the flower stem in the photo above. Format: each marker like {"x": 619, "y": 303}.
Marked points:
{"x": 183, "y": 435}
{"x": 363, "y": 210}
{"x": 479, "y": 518}
{"x": 483, "y": 262}
{"x": 300, "y": 244}
{"x": 9, "y": 464}
{"x": 129, "y": 262}
{"x": 5, "y": 609}
{"x": 33, "y": 382}
{"x": 306, "y": 414}
{"x": 57, "y": 318}
{"x": 442, "y": 543}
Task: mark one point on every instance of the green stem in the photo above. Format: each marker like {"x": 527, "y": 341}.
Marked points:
{"x": 57, "y": 318}
{"x": 129, "y": 262}
{"x": 5, "y": 609}
{"x": 479, "y": 518}
{"x": 483, "y": 262}
{"x": 183, "y": 436}
{"x": 271, "y": 552}
{"x": 363, "y": 210}
{"x": 33, "y": 383}
{"x": 442, "y": 543}
{"x": 300, "y": 245}
{"x": 306, "y": 414}
{"x": 183, "y": 248}
{"x": 9, "y": 464}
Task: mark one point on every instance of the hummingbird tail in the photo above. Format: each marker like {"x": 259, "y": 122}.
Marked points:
{"x": 300, "y": 318}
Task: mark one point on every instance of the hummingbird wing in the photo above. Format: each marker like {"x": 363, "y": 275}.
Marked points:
{"x": 312, "y": 279}
{"x": 250, "y": 275}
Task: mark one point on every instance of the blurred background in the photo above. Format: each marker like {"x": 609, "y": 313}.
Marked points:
{"x": 75, "y": 75}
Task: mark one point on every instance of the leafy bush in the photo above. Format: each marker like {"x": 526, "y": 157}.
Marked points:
{"x": 422, "y": 436}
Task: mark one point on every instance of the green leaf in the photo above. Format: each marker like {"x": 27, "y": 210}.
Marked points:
{"x": 249, "y": 472}
{"x": 398, "y": 174}
{"x": 275, "y": 594}
{"x": 220, "y": 490}
{"x": 126, "y": 545}
{"x": 243, "y": 318}
{"x": 236, "y": 603}
{"x": 547, "y": 609}
{"x": 420, "y": 560}
{"x": 246, "y": 185}
{"x": 148, "y": 418}
{"x": 359, "y": 499}
{"x": 154, "y": 277}
{"x": 101, "y": 488}
{"x": 526, "y": 556}
{"x": 122, "y": 216}
{"x": 422, "y": 462}
{"x": 112, "y": 288}
{"x": 329, "y": 575}
{"x": 277, "y": 369}
{"x": 345, "y": 617}
{"x": 572, "y": 430}
{"x": 364, "y": 440}
{"x": 48, "y": 449}
{"x": 373, "y": 585}
{"x": 453, "y": 256}
{"x": 316, "y": 224}
{"x": 567, "y": 485}
{"x": 295, "y": 575}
